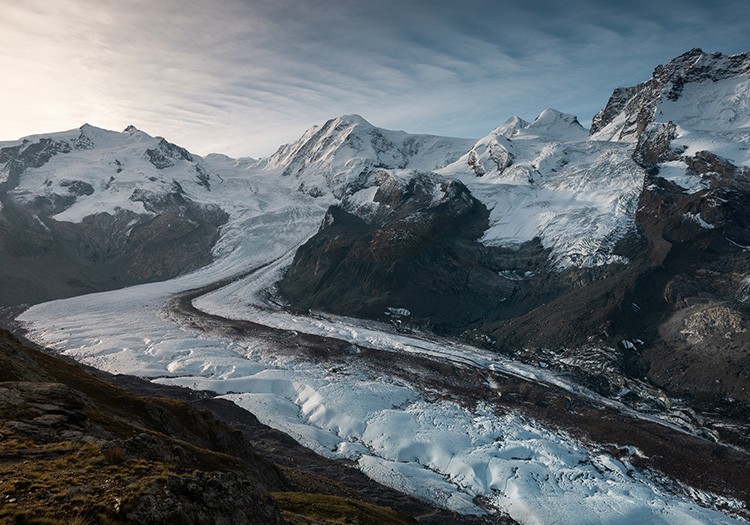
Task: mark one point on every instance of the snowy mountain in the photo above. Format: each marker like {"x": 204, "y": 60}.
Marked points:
{"x": 547, "y": 180}
{"x": 90, "y": 170}
{"x": 100, "y": 209}
{"x": 690, "y": 125}
{"x": 701, "y": 90}
{"x": 548, "y": 199}
{"x": 611, "y": 266}
{"x": 334, "y": 157}
{"x": 698, "y": 102}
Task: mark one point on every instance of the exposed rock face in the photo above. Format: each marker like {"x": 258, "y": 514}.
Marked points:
{"x": 166, "y": 154}
{"x": 655, "y": 145}
{"x": 46, "y": 412}
{"x": 221, "y": 498}
{"x": 490, "y": 154}
{"x": 418, "y": 250}
{"x": 690, "y": 301}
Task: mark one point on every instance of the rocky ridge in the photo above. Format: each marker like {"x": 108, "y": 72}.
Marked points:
{"x": 414, "y": 245}
{"x": 630, "y": 110}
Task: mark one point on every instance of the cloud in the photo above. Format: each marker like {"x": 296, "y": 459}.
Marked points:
{"x": 242, "y": 76}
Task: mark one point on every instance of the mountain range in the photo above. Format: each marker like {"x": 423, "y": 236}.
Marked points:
{"x": 615, "y": 258}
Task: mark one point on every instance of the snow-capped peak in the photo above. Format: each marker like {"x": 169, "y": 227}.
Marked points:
{"x": 555, "y": 124}
{"x": 510, "y": 127}
{"x": 696, "y": 90}
{"x": 547, "y": 180}
{"x": 89, "y": 170}
{"x": 337, "y": 156}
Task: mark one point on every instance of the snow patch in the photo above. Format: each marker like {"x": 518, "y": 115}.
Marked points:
{"x": 696, "y": 217}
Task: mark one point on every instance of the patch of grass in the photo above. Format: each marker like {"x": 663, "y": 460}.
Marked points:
{"x": 72, "y": 482}
{"x": 306, "y": 509}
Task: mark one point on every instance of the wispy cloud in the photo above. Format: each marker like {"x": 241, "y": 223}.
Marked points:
{"x": 242, "y": 76}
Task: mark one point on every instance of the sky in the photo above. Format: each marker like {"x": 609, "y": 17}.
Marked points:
{"x": 242, "y": 77}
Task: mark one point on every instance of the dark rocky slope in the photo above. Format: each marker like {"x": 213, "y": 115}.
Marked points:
{"x": 418, "y": 255}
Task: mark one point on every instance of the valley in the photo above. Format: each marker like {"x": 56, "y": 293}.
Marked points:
{"x": 546, "y": 323}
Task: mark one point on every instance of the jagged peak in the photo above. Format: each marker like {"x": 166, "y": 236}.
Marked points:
{"x": 697, "y": 64}
{"x": 630, "y": 110}
{"x": 131, "y": 129}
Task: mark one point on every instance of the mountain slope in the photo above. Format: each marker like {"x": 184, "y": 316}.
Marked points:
{"x": 337, "y": 156}
{"x": 100, "y": 210}
{"x": 694, "y": 212}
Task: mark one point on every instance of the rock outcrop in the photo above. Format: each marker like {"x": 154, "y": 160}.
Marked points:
{"x": 414, "y": 247}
